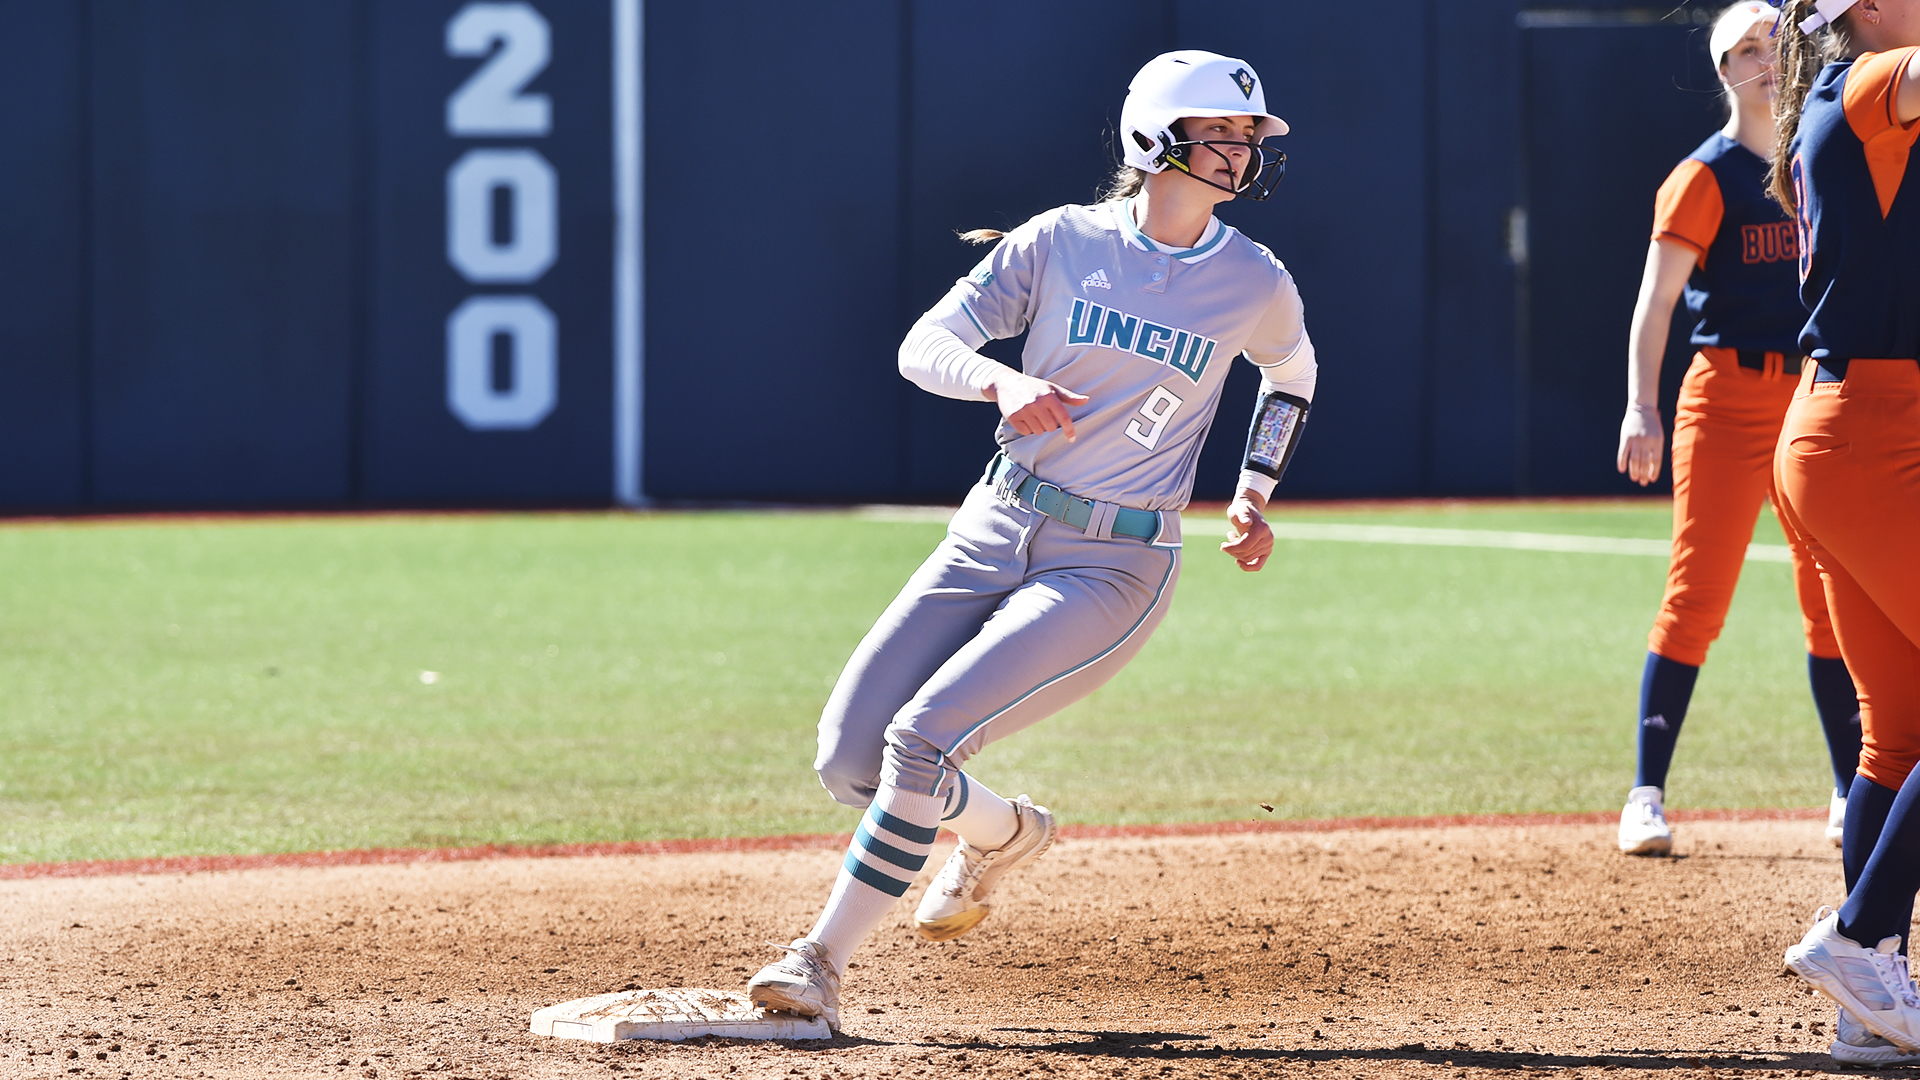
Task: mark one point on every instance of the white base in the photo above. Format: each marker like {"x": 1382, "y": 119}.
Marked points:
{"x": 672, "y": 1014}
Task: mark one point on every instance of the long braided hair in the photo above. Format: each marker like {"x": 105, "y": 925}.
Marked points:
{"x": 1801, "y": 58}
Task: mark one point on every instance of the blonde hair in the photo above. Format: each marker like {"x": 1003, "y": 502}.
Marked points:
{"x": 1801, "y": 58}
{"x": 1124, "y": 184}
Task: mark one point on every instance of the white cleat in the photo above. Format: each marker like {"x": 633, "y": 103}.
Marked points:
{"x": 1836, "y": 819}
{"x": 805, "y": 983}
{"x": 1872, "y": 984}
{"x": 1643, "y": 823}
{"x": 957, "y": 900}
{"x": 1854, "y": 1044}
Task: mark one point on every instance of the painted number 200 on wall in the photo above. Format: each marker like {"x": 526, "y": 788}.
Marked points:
{"x": 503, "y": 217}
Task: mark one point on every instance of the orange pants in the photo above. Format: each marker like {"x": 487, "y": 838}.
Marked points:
{"x": 1848, "y": 468}
{"x": 1724, "y": 433}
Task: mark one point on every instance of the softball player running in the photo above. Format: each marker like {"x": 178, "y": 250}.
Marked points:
{"x": 1062, "y": 560}
{"x": 1848, "y": 469}
{"x": 1718, "y": 235}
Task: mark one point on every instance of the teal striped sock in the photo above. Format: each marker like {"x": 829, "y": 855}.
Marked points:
{"x": 979, "y": 816}
{"x": 888, "y": 851}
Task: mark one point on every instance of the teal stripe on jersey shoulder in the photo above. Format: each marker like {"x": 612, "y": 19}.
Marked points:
{"x": 902, "y": 828}
{"x": 974, "y": 321}
{"x": 867, "y": 875}
{"x": 905, "y": 860}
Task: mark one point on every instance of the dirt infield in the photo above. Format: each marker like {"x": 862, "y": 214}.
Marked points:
{"x": 1460, "y": 951}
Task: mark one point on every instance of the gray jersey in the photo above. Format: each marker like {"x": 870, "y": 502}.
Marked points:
{"x": 1145, "y": 331}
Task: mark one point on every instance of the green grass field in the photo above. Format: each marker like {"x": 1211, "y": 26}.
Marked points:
{"x": 257, "y": 686}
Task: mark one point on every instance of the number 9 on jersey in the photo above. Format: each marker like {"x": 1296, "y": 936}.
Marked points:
{"x": 1158, "y": 412}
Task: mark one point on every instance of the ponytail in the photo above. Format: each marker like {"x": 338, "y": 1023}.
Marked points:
{"x": 1125, "y": 183}
{"x": 1801, "y": 58}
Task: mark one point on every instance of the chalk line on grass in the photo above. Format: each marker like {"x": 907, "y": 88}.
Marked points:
{"x": 1419, "y": 535}
{"x": 1481, "y": 538}
{"x": 905, "y": 515}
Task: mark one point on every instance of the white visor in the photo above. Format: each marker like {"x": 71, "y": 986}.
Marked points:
{"x": 1734, "y": 23}
{"x": 1824, "y": 12}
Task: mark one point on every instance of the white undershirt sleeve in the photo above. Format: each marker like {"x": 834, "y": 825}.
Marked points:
{"x": 935, "y": 359}
{"x": 1257, "y": 482}
{"x": 1296, "y": 375}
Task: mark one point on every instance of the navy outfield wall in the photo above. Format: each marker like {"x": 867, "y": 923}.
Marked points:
{"x": 220, "y": 253}
{"x": 44, "y": 434}
{"x": 362, "y": 253}
{"x": 1612, "y": 98}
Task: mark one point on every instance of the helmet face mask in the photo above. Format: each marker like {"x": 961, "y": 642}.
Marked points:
{"x": 1265, "y": 165}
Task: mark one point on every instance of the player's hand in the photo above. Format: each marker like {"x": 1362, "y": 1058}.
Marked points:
{"x": 1033, "y": 406}
{"x": 1249, "y": 538}
{"x": 1641, "y": 441}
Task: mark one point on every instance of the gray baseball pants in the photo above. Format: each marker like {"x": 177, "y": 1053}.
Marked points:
{"x": 1012, "y": 618}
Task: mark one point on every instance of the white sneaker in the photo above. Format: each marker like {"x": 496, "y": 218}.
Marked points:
{"x": 1643, "y": 823}
{"x": 957, "y": 900}
{"x": 1872, "y": 984}
{"x": 1836, "y": 818}
{"x": 1855, "y": 1044}
{"x": 805, "y": 983}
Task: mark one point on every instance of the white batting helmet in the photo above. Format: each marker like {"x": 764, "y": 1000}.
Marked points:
{"x": 1192, "y": 82}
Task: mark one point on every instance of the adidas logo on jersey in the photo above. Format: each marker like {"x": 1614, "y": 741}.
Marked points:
{"x": 1111, "y": 328}
{"x": 1096, "y": 280}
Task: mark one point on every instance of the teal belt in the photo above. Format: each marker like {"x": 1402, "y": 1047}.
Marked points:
{"x": 1072, "y": 510}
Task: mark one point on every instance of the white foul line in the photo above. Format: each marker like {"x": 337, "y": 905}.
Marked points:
{"x": 1479, "y": 538}
{"x": 906, "y": 515}
{"x": 629, "y": 292}
{"x": 1394, "y": 534}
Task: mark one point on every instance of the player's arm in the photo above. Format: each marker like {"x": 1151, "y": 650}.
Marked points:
{"x": 1278, "y": 418}
{"x": 1289, "y": 372}
{"x": 1907, "y": 93}
{"x": 940, "y": 353}
{"x": 1687, "y": 213}
{"x": 1642, "y": 438}
{"x": 935, "y": 359}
